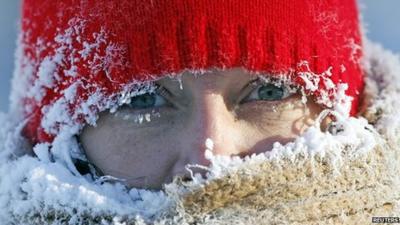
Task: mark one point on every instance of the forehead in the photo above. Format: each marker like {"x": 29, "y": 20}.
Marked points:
{"x": 211, "y": 78}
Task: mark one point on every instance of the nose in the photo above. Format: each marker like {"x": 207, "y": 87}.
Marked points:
{"x": 212, "y": 120}
{"x": 210, "y": 123}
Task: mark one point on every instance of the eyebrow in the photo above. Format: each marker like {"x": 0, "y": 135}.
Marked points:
{"x": 250, "y": 82}
{"x": 172, "y": 84}
{"x": 241, "y": 92}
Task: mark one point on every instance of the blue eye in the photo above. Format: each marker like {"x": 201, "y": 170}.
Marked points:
{"x": 148, "y": 100}
{"x": 268, "y": 92}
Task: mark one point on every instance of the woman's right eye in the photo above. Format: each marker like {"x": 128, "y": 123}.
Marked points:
{"x": 147, "y": 100}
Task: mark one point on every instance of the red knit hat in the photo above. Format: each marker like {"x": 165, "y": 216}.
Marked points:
{"x": 79, "y": 57}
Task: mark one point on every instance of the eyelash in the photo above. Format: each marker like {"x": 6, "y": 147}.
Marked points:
{"x": 163, "y": 92}
{"x": 250, "y": 88}
{"x": 255, "y": 85}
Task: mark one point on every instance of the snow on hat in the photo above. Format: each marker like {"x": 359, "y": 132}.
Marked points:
{"x": 76, "y": 58}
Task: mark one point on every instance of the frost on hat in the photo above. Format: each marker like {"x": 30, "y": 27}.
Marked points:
{"x": 79, "y": 57}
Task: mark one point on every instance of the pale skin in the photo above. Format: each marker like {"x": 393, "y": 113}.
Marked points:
{"x": 152, "y": 139}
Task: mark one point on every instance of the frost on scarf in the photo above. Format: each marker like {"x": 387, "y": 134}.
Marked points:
{"x": 46, "y": 188}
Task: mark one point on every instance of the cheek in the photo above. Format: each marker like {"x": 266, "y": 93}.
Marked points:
{"x": 142, "y": 155}
{"x": 268, "y": 123}
{"x": 268, "y": 118}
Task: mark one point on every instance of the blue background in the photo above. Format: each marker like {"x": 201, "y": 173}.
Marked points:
{"x": 380, "y": 17}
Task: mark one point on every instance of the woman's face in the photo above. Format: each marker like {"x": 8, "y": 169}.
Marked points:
{"x": 153, "y": 138}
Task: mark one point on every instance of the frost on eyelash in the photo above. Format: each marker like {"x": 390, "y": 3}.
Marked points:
{"x": 139, "y": 118}
{"x": 332, "y": 96}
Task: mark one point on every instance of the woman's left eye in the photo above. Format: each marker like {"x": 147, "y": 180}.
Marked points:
{"x": 268, "y": 92}
{"x": 148, "y": 100}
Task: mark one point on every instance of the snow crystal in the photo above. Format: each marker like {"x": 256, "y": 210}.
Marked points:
{"x": 70, "y": 92}
{"x": 138, "y": 118}
{"x": 209, "y": 144}
{"x": 311, "y": 84}
{"x": 383, "y": 83}
{"x": 21, "y": 79}
{"x": 42, "y": 151}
